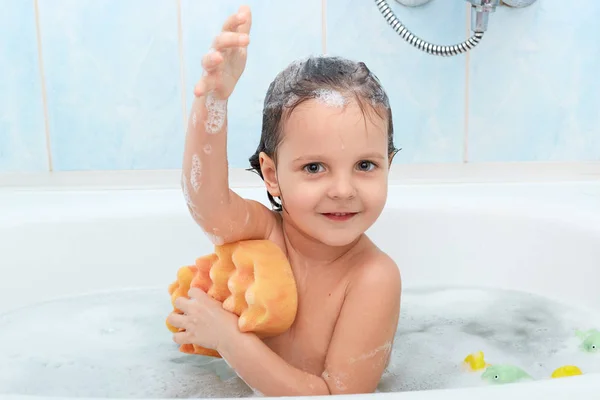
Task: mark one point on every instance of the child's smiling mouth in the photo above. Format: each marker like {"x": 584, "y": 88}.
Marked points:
{"x": 339, "y": 216}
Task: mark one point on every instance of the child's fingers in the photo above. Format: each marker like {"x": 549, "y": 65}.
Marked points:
{"x": 177, "y": 320}
{"x": 211, "y": 60}
{"x": 230, "y": 39}
{"x": 196, "y": 293}
{"x": 182, "y": 338}
{"x": 233, "y": 21}
{"x": 182, "y": 304}
{"x": 206, "y": 84}
{"x": 245, "y": 26}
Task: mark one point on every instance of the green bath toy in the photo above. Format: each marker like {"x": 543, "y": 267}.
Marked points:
{"x": 500, "y": 374}
{"x": 590, "y": 340}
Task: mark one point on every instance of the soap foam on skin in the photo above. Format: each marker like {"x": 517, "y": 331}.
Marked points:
{"x": 186, "y": 193}
{"x": 339, "y": 384}
{"x": 187, "y": 198}
{"x": 196, "y": 173}
{"x": 207, "y": 149}
{"x": 337, "y": 381}
{"x": 217, "y": 110}
{"x": 212, "y": 236}
{"x": 387, "y": 348}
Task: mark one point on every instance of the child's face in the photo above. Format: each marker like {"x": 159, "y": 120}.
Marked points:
{"x": 333, "y": 160}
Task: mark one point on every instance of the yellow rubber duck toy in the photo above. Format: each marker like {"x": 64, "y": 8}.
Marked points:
{"x": 476, "y": 361}
{"x": 567, "y": 370}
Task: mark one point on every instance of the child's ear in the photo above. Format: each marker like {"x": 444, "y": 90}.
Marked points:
{"x": 269, "y": 173}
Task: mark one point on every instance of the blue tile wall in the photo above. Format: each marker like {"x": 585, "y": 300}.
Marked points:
{"x": 535, "y": 85}
{"x": 22, "y": 134}
{"x": 112, "y": 75}
{"x": 119, "y": 78}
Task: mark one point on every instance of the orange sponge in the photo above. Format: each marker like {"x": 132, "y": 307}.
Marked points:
{"x": 252, "y": 279}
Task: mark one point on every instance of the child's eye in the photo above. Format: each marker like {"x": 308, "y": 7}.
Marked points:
{"x": 313, "y": 168}
{"x": 365, "y": 165}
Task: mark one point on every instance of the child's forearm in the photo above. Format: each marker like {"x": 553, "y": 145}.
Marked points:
{"x": 205, "y": 171}
{"x": 263, "y": 370}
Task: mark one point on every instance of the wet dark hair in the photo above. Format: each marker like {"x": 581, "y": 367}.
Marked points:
{"x": 305, "y": 79}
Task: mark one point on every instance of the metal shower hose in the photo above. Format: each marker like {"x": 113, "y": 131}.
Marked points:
{"x": 434, "y": 49}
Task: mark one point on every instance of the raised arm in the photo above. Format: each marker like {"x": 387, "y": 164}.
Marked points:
{"x": 222, "y": 214}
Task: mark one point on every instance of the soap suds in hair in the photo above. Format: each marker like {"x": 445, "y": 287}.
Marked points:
{"x": 330, "y": 97}
{"x": 196, "y": 173}
{"x": 300, "y": 80}
{"x": 216, "y": 114}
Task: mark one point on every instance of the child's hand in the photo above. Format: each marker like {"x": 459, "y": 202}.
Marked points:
{"x": 224, "y": 66}
{"x": 205, "y": 320}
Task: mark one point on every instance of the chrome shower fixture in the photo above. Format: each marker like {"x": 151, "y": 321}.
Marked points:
{"x": 480, "y": 12}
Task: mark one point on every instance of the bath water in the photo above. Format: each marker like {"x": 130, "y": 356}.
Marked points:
{"x": 439, "y": 328}
{"x": 117, "y": 345}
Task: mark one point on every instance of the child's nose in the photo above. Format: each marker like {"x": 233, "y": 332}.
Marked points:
{"x": 342, "y": 187}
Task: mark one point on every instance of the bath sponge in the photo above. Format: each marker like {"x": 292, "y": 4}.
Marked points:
{"x": 252, "y": 279}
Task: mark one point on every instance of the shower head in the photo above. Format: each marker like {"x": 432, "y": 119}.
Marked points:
{"x": 480, "y": 13}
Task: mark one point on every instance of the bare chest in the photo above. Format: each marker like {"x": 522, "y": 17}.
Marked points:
{"x": 305, "y": 344}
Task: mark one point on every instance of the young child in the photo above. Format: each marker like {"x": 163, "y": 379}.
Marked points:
{"x": 324, "y": 155}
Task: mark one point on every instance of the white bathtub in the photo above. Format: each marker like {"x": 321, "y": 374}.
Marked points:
{"x": 541, "y": 236}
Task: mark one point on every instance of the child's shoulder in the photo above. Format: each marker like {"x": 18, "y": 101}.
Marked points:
{"x": 375, "y": 270}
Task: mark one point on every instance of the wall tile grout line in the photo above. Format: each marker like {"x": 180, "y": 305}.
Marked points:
{"x": 467, "y": 85}
{"x": 324, "y": 26}
{"x": 181, "y": 64}
{"x": 43, "y": 85}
